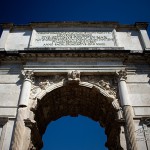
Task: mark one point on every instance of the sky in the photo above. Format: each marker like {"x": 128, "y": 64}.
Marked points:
{"x": 79, "y": 133}
{"x": 74, "y": 133}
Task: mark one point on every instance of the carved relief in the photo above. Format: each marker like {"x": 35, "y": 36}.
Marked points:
{"x": 122, "y": 74}
{"x": 105, "y": 83}
{"x": 74, "y": 76}
{"x": 116, "y": 105}
{"x": 44, "y": 84}
{"x": 27, "y": 74}
{"x": 108, "y": 87}
{"x": 34, "y": 91}
{"x": 72, "y": 100}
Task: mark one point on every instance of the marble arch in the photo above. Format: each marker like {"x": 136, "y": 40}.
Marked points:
{"x": 72, "y": 97}
{"x": 61, "y": 59}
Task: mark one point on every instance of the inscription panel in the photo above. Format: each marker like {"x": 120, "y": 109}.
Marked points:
{"x": 73, "y": 39}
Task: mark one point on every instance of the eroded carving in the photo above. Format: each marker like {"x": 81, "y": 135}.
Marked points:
{"x": 34, "y": 91}
{"x": 44, "y": 84}
{"x": 122, "y": 74}
{"x": 116, "y": 105}
{"x": 72, "y": 99}
{"x": 108, "y": 87}
{"x": 27, "y": 74}
{"x": 74, "y": 76}
{"x": 36, "y": 142}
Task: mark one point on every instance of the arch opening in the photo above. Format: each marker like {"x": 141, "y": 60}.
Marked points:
{"x": 74, "y": 133}
{"x": 74, "y": 100}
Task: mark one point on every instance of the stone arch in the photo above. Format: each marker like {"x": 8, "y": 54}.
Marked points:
{"x": 73, "y": 97}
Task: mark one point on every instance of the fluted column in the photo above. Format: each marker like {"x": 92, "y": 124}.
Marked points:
{"x": 19, "y": 142}
{"x": 127, "y": 110}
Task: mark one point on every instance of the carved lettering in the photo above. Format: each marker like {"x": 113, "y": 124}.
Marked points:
{"x": 83, "y": 39}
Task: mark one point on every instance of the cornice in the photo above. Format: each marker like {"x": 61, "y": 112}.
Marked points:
{"x": 125, "y": 55}
{"x": 83, "y": 24}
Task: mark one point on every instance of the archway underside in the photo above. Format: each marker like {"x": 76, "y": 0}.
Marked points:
{"x": 74, "y": 100}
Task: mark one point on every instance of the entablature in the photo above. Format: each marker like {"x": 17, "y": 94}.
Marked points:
{"x": 75, "y": 35}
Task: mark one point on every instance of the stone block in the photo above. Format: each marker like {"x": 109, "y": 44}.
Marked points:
{"x": 18, "y": 40}
{"x": 9, "y": 94}
{"x": 9, "y": 79}
{"x": 141, "y": 111}
{"x": 139, "y": 99}
{"x": 140, "y": 78}
{"x": 129, "y": 40}
{"x": 139, "y": 94}
{"x": 10, "y": 112}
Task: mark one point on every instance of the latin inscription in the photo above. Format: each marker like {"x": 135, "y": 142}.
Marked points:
{"x": 68, "y": 39}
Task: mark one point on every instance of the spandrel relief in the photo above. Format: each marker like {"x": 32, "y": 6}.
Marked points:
{"x": 43, "y": 82}
{"x": 106, "y": 83}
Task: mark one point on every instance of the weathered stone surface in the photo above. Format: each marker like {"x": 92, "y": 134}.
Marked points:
{"x": 9, "y": 94}
{"x": 18, "y": 40}
{"x": 137, "y": 79}
{"x": 9, "y": 79}
{"x": 139, "y": 94}
{"x": 141, "y": 111}
{"x": 8, "y": 111}
{"x": 99, "y": 70}
{"x": 6, "y": 137}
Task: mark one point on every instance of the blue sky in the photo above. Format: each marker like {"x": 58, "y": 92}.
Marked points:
{"x": 78, "y": 133}
{"x": 123, "y": 11}
{"x": 74, "y": 133}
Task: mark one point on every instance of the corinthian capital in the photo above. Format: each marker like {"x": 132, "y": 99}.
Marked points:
{"x": 27, "y": 74}
{"x": 122, "y": 74}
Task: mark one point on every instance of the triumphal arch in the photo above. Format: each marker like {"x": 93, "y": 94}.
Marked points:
{"x": 96, "y": 69}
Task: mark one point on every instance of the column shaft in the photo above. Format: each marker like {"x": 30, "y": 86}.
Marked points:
{"x": 20, "y": 130}
{"x": 25, "y": 93}
{"x": 127, "y": 112}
